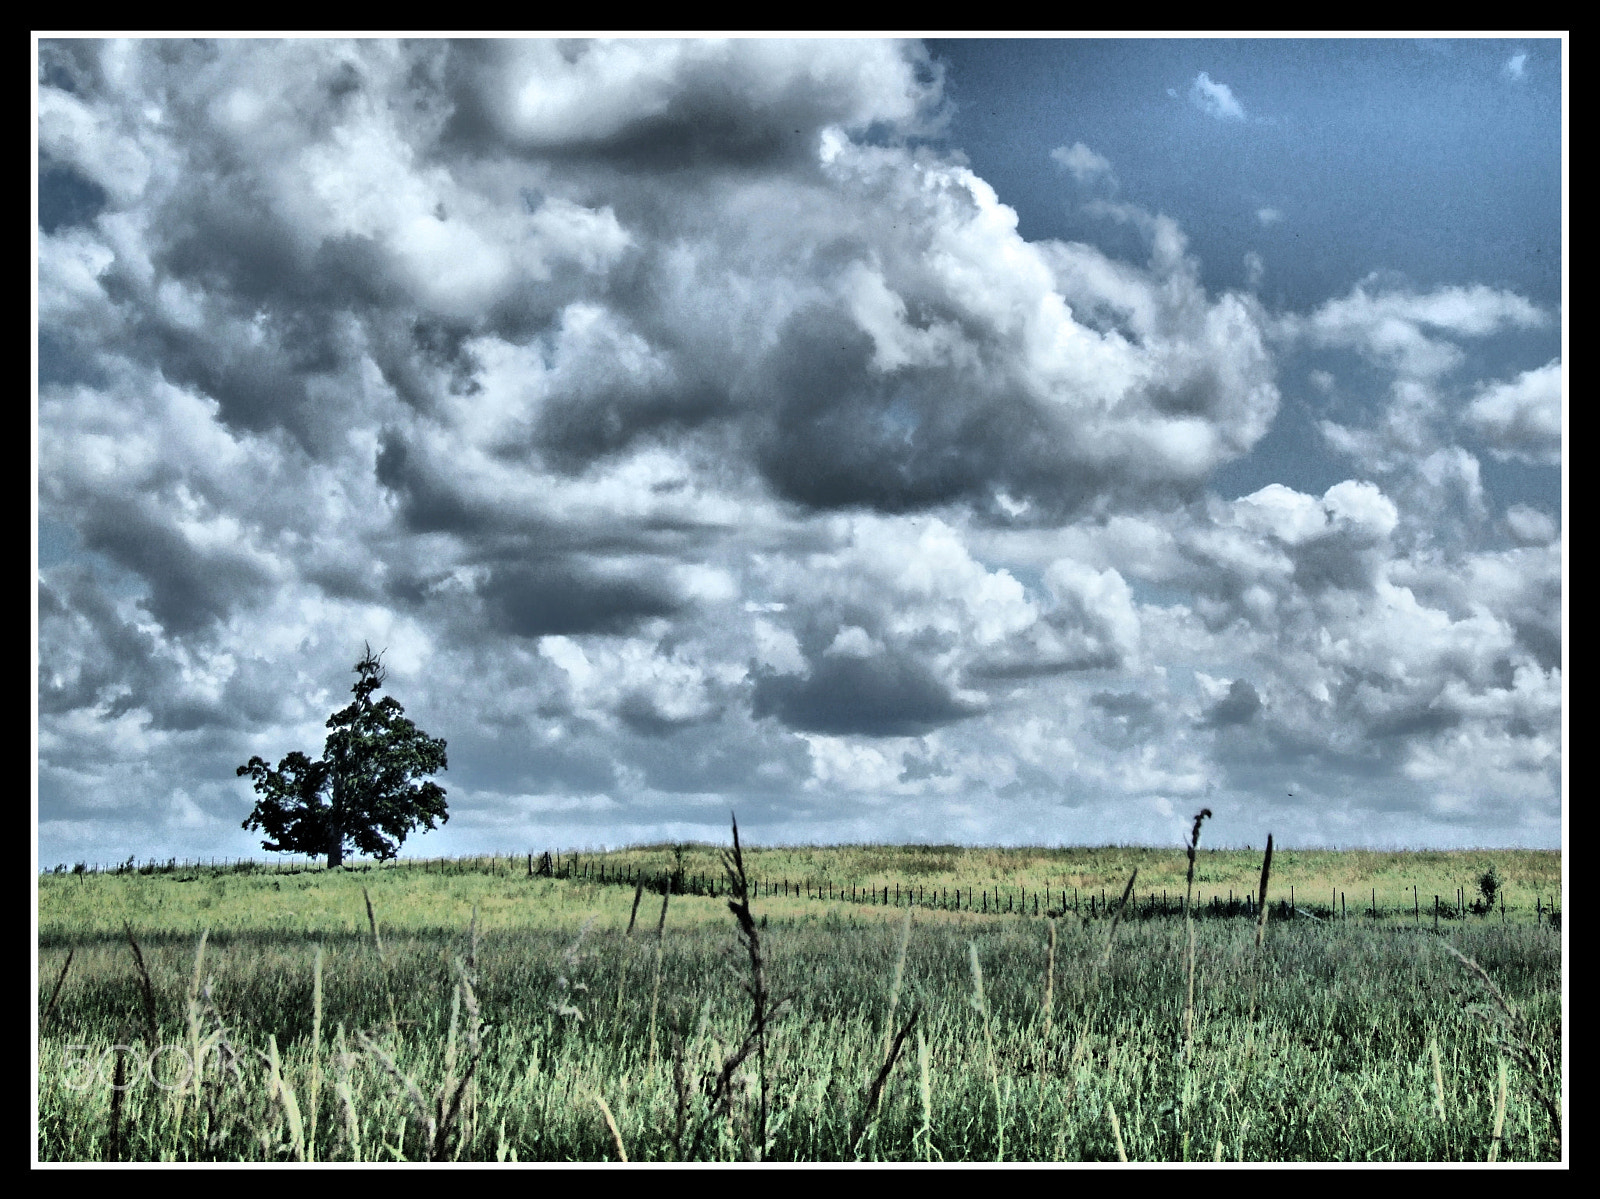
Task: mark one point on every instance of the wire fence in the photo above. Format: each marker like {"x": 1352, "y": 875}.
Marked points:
{"x": 992, "y": 900}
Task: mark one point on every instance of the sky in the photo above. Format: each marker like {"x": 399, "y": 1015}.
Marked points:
{"x": 956, "y": 441}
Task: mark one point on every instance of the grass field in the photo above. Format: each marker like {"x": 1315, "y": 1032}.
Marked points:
{"x": 481, "y": 1014}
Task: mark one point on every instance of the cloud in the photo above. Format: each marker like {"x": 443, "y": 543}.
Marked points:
{"x": 1239, "y": 706}
{"x": 1084, "y": 164}
{"x": 1414, "y": 333}
{"x": 1215, "y": 99}
{"x": 1254, "y": 269}
{"x": 1530, "y": 526}
{"x": 676, "y": 102}
{"x": 688, "y": 428}
{"x": 1419, "y": 339}
{"x": 1515, "y": 66}
{"x": 534, "y": 599}
{"x": 1268, "y": 216}
{"x": 893, "y": 696}
{"x": 1521, "y": 419}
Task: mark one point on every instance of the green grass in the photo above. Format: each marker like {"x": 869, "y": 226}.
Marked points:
{"x": 1336, "y": 1066}
{"x": 441, "y": 893}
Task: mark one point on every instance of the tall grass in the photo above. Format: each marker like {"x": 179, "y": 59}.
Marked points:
{"x": 486, "y": 1044}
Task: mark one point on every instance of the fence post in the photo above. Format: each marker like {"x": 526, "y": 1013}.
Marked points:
{"x": 1343, "y": 914}
{"x": 1435, "y": 913}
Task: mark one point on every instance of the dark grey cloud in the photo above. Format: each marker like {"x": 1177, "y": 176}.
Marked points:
{"x": 191, "y": 587}
{"x": 1239, "y": 706}
{"x": 674, "y": 107}
{"x": 539, "y": 598}
{"x": 888, "y": 696}
{"x": 67, "y": 198}
{"x": 86, "y": 647}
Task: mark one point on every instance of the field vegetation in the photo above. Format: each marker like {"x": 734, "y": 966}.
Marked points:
{"x": 465, "y": 1010}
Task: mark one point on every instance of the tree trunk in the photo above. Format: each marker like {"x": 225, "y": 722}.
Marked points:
{"x": 335, "y": 855}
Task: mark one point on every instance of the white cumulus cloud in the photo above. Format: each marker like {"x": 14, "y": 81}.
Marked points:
{"x": 1215, "y": 99}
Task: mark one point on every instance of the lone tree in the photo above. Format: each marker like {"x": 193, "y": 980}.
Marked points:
{"x": 363, "y": 791}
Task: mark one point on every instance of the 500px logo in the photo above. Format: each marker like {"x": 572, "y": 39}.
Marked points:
{"x": 86, "y": 1068}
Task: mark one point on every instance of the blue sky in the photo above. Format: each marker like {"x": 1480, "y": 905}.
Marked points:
{"x": 1429, "y": 159}
{"x": 965, "y": 440}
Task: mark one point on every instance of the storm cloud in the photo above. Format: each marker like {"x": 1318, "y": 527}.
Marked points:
{"x": 693, "y": 426}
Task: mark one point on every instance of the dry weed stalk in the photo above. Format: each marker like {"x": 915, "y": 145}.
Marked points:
{"x": 739, "y": 905}
{"x": 611, "y": 1123}
{"x": 1111, "y": 937}
{"x": 55, "y": 994}
{"x": 894, "y": 985}
{"x": 568, "y": 991}
{"x": 1266, "y": 873}
{"x": 1512, "y": 1037}
{"x": 372, "y": 924}
{"x": 1116, "y": 1131}
{"x": 1261, "y": 929}
{"x": 982, "y": 1006}
{"x": 194, "y": 1012}
{"x": 1049, "y": 1004}
{"x": 925, "y": 1085}
{"x": 228, "y": 1058}
{"x": 316, "y": 1052}
{"x": 347, "y": 1100}
{"x": 1082, "y": 1041}
{"x": 437, "y": 1122}
{"x": 891, "y": 1041}
{"x": 655, "y": 987}
{"x": 279, "y": 1091}
{"x": 680, "y": 1090}
{"x": 721, "y": 1091}
{"x": 763, "y": 1008}
{"x": 638, "y": 893}
{"x": 875, "y": 1090}
{"x": 146, "y": 991}
{"x": 1499, "y": 1113}
{"x": 1188, "y": 918}
{"x": 413, "y": 1094}
{"x": 119, "y": 1084}
{"x": 1438, "y": 1078}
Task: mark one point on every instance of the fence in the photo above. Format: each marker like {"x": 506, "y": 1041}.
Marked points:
{"x": 992, "y": 900}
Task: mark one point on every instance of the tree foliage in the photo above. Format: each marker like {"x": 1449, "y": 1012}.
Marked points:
{"x": 369, "y": 789}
